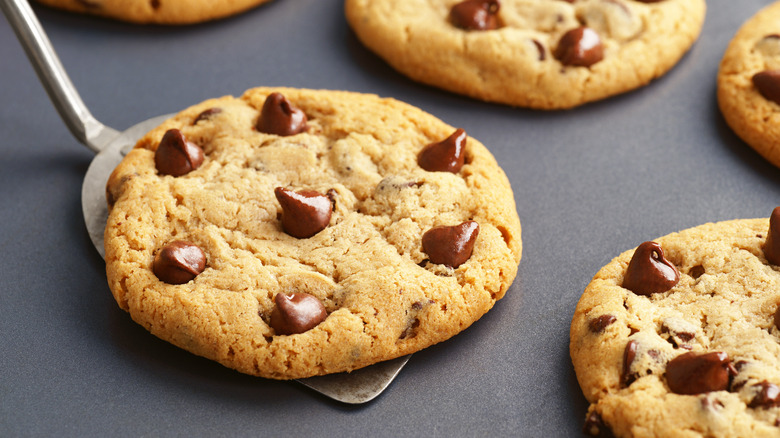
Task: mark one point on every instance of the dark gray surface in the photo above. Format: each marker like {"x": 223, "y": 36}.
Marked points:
{"x": 589, "y": 184}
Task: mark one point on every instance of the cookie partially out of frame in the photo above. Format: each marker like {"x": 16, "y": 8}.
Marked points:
{"x": 749, "y": 83}
{"x": 680, "y": 336}
{"x": 290, "y": 233}
{"x": 545, "y": 54}
{"x": 157, "y": 11}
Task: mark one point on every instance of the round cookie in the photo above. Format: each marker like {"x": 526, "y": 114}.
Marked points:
{"x": 320, "y": 247}
{"x": 545, "y": 54}
{"x": 157, "y": 11}
{"x": 680, "y": 337}
{"x": 749, "y": 83}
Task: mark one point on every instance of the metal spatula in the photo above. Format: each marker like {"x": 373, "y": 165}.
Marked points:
{"x": 110, "y": 146}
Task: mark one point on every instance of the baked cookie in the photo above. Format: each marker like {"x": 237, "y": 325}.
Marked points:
{"x": 546, "y": 54}
{"x": 157, "y": 11}
{"x": 749, "y": 83}
{"x": 291, "y": 233}
{"x": 681, "y": 337}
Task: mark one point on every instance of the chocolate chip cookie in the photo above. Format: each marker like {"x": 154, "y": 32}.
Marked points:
{"x": 681, "y": 336}
{"x": 157, "y": 11}
{"x": 546, "y": 54}
{"x": 290, "y": 233}
{"x": 749, "y": 83}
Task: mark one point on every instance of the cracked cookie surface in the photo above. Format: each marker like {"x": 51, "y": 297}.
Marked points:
{"x": 384, "y": 298}
{"x": 753, "y": 116}
{"x": 700, "y": 358}
{"x": 516, "y": 62}
{"x": 157, "y": 11}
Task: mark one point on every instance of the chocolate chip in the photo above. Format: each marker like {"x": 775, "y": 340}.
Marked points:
{"x": 649, "y": 272}
{"x": 680, "y": 332}
{"x": 772, "y": 244}
{"x": 595, "y": 426}
{"x": 767, "y": 83}
{"x": 597, "y": 325}
{"x": 176, "y": 156}
{"x": 629, "y": 354}
{"x": 115, "y": 188}
{"x": 580, "y": 47}
{"x": 392, "y": 184}
{"x": 655, "y": 354}
{"x": 684, "y": 336}
{"x": 178, "y": 262}
{"x": 692, "y": 373}
{"x": 540, "y": 49}
{"x": 155, "y": 4}
{"x": 696, "y": 271}
{"x": 296, "y": 313}
{"x": 304, "y": 213}
{"x": 411, "y": 330}
{"x": 280, "y": 117}
{"x": 446, "y": 155}
{"x": 777, "y": 317}
{"x": 768, "y": 395}
{"x": 450, "y": 246}
{"x": 476, "y": 14}
{"x": 711, "y": 404}
{"x": 206, "y": 115}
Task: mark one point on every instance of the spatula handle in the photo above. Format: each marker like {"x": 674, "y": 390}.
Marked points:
{"x": 55, "y": 80}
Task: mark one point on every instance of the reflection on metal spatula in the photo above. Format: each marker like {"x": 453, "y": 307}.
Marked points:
{"x": 111, "y": 145}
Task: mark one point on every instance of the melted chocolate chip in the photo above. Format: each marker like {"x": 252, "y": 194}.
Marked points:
{"x": 597, "y": 325}
{"x": 711, "y": 404}
{"x": 178, "y": 262}
{"x": 176, "y": 156}
{"x": 411, "y": 330}
{"x": 115, "y": 187}
{"x": 692, "y": 373}
{"x": 685, "y": 336}
{"x": 305, "y": 212}
{"x": 155, "y": 4}
{"x": 649, "y": 272}
{"x": 777, "y": 317}
{"x": 580, "y": 47}
{"x": 629, "y": 354}
{"x": 206, "y": 114}
{"x": 595, "y": 426}
{"x": 280, "y": 117}
{"x": 476, "y": 14}
{"x": 446, "y": 155}
{"x": 296, "y": 313}
{"x": 680, "y": 332}
{"x": 768, "y": 395}
{"x": 772, "y": 244}
{"x": 450, "y": 246}
{"x": 697, "y": 271}
{"x": 540, "y": 49}
{"x": 768, "y": 84}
